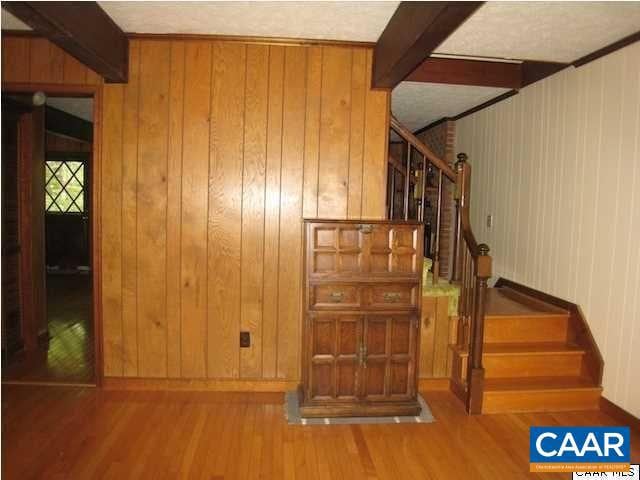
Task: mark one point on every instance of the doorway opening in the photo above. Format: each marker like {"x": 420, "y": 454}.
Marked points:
{"x": 50, "y": 335}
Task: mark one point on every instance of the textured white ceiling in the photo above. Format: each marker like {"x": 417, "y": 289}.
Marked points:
{"x": 356, "y": 21}
{"x": 553, "y": 31}
{"x": 419, "y": 104}
{"x": 9, "y": 22}
{"x": 76, "y": 106}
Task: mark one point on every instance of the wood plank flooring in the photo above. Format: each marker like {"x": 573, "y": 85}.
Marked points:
{"x": 88, "y": 433}
{"x": 69, "y": 355}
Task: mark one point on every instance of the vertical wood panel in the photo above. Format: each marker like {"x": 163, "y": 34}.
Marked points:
{"x": 335, "y": 122}
{"x": 152, "y": 203}
{"x": 290, "y": 269}
{"x": 130, "y": 214}
{"x": 573, "y": 182}
{"x": 272, "y": 213}
{"x": 312, "y": 132}
{"x": 111, "y": 230}
{"x": 56, "y": 73}
{"x": 75, "y": 72}
{"x": 40, "y": 60}
{"x": 374, "y": 174}
{"x": 174, "y": 208}
{"x": 193, "y": 247}
{"x": 356, "y": 146}
{"x": 225, "y": 208}
{"x": 15, "y": 59}
{"x": 253, "y": 203}
{"x": 427, "y": 335}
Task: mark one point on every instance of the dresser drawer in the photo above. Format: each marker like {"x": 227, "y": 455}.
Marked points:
{"x": 335, "y": 296}
{"x": 393, "y": 296}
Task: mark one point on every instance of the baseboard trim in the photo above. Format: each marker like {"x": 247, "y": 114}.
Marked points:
{"x": 38, "y": 383}
{"x": 619, "y": 414}
{"x": 211, "y": 385}
{"x": 434, "y": 384}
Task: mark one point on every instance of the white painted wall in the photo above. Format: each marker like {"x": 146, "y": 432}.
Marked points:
{"x": 558, "y": 165}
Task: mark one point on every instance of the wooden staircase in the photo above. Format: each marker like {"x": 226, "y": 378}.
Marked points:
{"x": 534, "y": 357}
{"x": 517, "y": 349}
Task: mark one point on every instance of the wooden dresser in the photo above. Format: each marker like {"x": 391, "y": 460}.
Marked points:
{"x": 362, "y": 318}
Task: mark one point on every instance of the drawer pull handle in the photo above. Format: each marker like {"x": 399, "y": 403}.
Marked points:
{"x": 336, "y": 296}
{"x": 391, "y": 296}
{"x": 365, "y": 228}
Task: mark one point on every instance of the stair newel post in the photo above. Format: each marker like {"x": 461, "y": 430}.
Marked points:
{"x": 475, "y": 375}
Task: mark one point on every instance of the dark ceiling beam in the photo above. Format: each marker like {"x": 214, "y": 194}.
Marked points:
{"x": 623, "y": 42}
{"x": 414, "y": 31}
{"x": 83, "y": 30}
{"x": 467, "y": 72}
{"x": 534, "y": 71}
{"x": 483, "y": 73}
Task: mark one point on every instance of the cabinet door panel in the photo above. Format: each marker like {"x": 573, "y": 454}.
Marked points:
{"x": 389, "y": 364}
{"x": 335, "y": 249}
{"x": 375, "y": 372}
{"x": 334, "y": 356}
{"x": 395, "y": 249}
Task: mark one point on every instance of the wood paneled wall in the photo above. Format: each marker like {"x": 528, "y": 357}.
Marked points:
{"x": 211, "y": 156}
{"x": 36, "y": 60}
{"x": 559, "y": 168}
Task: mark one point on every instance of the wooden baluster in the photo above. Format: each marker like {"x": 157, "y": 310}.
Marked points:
{"x": 436, "y": 251}
{"x": 463, "y": 287}
{"x": 475, "y": 370}
{"x": 406, "y": 183}
{"x": 460, "y": 192}
{"x": 424, "y": 187}
{"x": 393, "y": 192}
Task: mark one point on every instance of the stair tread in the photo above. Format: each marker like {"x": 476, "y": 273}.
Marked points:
{"x": 538, "y": 383}
{"x": 506, "y": 302}
{"x": 533, "y": 348}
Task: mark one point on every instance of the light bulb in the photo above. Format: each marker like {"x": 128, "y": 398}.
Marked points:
{"x": 39, "y": 99}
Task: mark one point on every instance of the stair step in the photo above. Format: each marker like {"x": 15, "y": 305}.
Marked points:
{"x": 539, "y": 394}
{"x": 526, "y": 348}
{"x": 528, "y": 360}
{"x": 526, "y": 328}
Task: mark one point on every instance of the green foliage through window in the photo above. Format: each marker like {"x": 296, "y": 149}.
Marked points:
{"x": 64, "y": 186}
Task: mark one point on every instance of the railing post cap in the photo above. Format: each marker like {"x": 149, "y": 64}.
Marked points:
{"x": 484, "y": 249}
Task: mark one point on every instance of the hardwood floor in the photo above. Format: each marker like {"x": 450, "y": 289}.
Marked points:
{"x": 68, "y": 357}
{"x": 87, "y": 433}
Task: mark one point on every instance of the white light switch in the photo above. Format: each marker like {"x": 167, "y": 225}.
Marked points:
{"x": 489, "y": 221}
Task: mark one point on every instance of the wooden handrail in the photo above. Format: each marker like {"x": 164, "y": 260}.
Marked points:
{"x": 474, "y": 273}
{"x": 471, "y": 262}
{"x": 422, "y": 148}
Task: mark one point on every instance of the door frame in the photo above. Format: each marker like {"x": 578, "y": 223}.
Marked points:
{"x": 95, "y": 92}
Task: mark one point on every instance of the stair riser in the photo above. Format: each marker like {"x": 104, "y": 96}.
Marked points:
{"x": 540, "y": 401}
{"x": 538, "y": 365}
{"x": 547, "y": 365}
{"x": 525, "y": 329}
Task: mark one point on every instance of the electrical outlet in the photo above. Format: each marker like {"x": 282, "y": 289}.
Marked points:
{"x": 489, "y": 221}
{"x": 245, "y": 339}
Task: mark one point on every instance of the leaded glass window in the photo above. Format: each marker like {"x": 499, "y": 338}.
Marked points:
{"x": 64, "y": 186}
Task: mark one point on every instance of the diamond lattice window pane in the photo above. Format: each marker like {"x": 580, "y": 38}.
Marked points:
{"x": 64, "y": 186}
